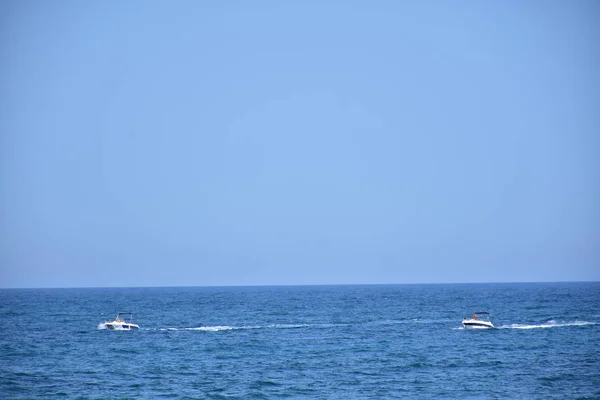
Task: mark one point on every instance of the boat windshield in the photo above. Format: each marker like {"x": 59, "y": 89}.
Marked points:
{"x": 122, "y": 316}
{"x": 483, "y": 315}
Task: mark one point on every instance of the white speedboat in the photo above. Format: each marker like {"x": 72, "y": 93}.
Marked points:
{"x": 124, "y": 322}
{"x": 479, "y": 320}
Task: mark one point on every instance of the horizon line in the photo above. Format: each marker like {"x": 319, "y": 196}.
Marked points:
{"x": 289, "y": 285}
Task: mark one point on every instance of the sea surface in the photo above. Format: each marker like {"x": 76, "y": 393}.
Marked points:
{"x": 303, "y": 342}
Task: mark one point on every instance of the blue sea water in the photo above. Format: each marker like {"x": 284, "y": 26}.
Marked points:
{"x": 304, "y": 342}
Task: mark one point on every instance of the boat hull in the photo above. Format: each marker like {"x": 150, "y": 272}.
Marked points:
{"x": 475, "y": 324}
{"x": 120, "y": 326}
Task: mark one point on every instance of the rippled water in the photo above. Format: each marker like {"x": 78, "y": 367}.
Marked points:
{"x": 351, "y": 342}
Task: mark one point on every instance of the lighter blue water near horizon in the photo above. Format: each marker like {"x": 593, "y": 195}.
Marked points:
{"x": 305, "y": 342}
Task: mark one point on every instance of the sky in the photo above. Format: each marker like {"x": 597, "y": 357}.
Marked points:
{"x": 190, "y": 143}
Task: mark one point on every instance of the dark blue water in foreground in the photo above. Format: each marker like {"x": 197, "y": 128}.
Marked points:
{"x": 322, "y": 342}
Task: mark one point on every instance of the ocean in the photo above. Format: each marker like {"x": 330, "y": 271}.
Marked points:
{"x": 303, "y": 342}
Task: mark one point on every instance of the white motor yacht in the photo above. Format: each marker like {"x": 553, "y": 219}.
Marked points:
{"x": 479, "y": 320}
{"x": 124, "y": 322}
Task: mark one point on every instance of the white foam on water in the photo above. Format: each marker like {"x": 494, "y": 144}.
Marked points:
{"x": 548, "y": 324}
{"x": 202, "y": 328}
{"x": 287, "y": 326}
{"x": 230, "y": 328}
{"x": 101, "y": 326}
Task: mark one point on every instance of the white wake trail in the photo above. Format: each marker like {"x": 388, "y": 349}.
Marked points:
{"x": 218, "y": 328}
{"x": 548, "y": 324}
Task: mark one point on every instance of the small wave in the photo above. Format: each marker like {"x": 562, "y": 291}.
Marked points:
{"x": 548, "y": 324}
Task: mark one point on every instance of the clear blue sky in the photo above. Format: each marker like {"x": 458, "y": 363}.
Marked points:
{"x": 298, "y": 142}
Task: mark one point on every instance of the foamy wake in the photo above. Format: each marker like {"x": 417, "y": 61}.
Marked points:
{"x": 548, "y": 324}
{"x": 231, "y": 328}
